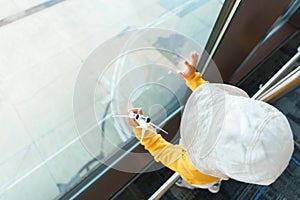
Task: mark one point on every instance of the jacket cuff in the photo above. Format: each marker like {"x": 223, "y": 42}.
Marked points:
{"x": 148, "y": 133}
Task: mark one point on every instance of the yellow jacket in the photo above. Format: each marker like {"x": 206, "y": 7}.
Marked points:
{"x": 175, "y": 156}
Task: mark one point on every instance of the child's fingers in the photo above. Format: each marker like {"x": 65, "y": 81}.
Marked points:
{"x": 132, "y": 122}
{"x": 136, "y": 110}
{"x": 140, "y": 111}
{"x": 188, "y": 64}
{"x": 181, "y": 74}
{"x": 194, "y": 58}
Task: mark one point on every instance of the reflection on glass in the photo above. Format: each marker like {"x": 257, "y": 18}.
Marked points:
{"x": 140, "y": 78}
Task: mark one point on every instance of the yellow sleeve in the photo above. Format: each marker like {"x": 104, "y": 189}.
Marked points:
{"x": 195, "y": 80}
{"x": 189, "y": 172}
{"x": 160, "y": 149}
{"x": 173, "y": 156}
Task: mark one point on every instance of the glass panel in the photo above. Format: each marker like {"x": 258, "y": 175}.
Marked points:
{"x": 44, "y": 48}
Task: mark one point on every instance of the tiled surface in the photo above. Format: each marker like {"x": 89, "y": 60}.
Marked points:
{"x": 10, "y": 123}
{"x": 40, "y": 57}
{"x": 39, "y": 185}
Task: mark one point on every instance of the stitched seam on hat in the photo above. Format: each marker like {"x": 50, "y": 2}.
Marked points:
{"x": 188, "y": 102}
{"x": 276, "y": 171}
{"x": 220, "y": 134}
{"x": 238, "y": 91}
{"x": 217, "y": 139}
{"x": 223, "y": 122}
{"x": 201, "y": 87}
{"x": 256, "y": 139}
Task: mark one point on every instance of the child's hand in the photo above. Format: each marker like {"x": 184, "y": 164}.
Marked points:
{"x": 132, "y": 122}
{"x": 190, "y": 67}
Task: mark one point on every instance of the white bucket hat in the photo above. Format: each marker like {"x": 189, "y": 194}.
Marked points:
{"x": 227, "y": 134}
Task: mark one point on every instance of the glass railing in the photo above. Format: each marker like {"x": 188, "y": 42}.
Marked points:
{"x": 44, "y": 150}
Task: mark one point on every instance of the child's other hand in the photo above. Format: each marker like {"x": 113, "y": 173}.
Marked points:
{"x": 190, "y": 66}
{"x": 131, "y": 121}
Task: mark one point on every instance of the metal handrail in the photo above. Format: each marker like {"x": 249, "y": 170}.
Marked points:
{"x": 267, "y": 94}
{"x": 287, "y": 82}
{"x": 277, "y": 75}
{"x": 165, "y": 187}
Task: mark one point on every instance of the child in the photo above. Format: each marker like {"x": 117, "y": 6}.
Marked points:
{"x": 224, "y": 134}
